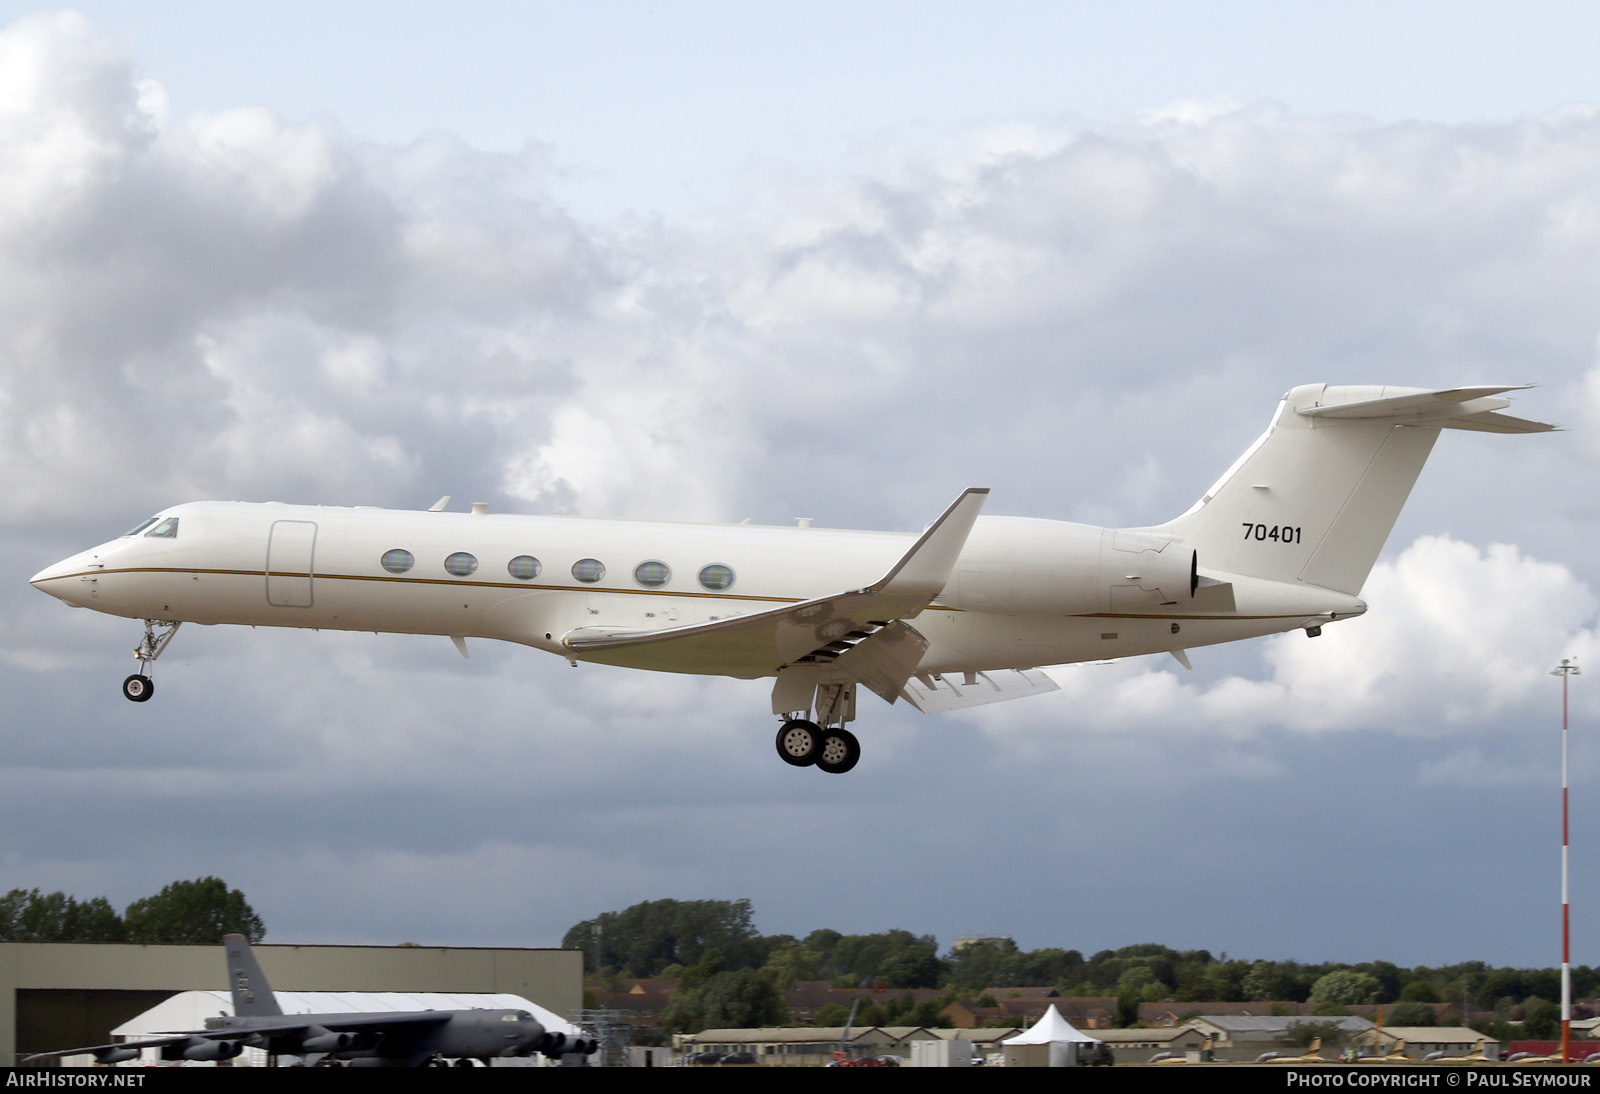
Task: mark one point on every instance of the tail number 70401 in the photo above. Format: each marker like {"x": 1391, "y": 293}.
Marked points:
{"x": 1276, "y": 533}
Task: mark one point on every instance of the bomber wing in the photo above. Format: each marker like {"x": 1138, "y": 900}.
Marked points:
{"x": 762, "y": 643}
{"x": 199, "y": 1045}
{"x": 395, "y": 1036}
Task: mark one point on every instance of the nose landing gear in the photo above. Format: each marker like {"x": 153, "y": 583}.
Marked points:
{"x": 157, "y": 633}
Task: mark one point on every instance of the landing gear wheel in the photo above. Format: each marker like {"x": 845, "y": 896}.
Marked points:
{"x": 799, "y": 741}
{"x": 138, "y": 688}
{"x": 838, "y": 752}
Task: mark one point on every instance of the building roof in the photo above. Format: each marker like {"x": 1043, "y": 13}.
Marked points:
{"x": 1273, "y": 1023}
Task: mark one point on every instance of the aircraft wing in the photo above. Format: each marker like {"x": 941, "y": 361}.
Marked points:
{"x": 285, "y": 1037}
{"x": 764, "y": 642}
{"x": 200, "y": 1045}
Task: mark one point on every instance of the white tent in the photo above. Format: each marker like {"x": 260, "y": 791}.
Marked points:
{"x": 1061, "y": 1035}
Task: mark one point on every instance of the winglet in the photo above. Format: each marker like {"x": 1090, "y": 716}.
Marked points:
{"x": 925, "y": 569}
{"x": 252, "y": 995}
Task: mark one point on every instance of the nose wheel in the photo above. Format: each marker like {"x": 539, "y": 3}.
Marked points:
{"x": 138, "y": 688}
{"x": 157, "y": 633}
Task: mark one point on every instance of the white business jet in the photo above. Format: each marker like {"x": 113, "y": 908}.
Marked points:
{"x": 960, "y": 615}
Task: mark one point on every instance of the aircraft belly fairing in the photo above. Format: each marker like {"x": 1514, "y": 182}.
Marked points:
{"x": 1283, "y": 541}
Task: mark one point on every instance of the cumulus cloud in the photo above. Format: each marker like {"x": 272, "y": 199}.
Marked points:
{"x": 1092, "y": 319}
{"x": 1457, "y": 639}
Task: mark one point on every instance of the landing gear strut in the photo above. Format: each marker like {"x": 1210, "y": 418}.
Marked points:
{"x": 827, "y": 746}
{"x": 157, "y": 633}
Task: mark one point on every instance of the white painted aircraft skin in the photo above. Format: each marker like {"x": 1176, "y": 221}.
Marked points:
{"x": 214, "y": 571}
{"x": 1283, "y": 541}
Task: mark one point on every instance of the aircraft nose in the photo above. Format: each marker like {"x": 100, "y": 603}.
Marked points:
{"x": 67, "y": 580}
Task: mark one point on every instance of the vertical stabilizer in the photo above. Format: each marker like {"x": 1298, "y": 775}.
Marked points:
{"x": 252, "y": 995}
{"x": 1314, "y": 499}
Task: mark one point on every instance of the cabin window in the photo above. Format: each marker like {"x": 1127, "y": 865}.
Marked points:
{"x": 398, "y": 561}
{"x": 461, "y": 564}
{"x": 141, "y": 526}
{"x": 717, "y": 577}
{"x": 167, "y": 529}
{"x": 588, "y": 570}
{"x": 652, "y": 574}
{"x": 524, "y": 567}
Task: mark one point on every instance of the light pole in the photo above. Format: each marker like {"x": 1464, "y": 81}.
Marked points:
{"x": 1568, "y": 667}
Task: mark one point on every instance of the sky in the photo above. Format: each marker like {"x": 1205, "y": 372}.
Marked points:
{"x": 723, "y": 261}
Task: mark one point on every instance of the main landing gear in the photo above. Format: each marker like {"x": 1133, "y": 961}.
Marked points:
{"x": 803, "y": 743}
{"x": 157, "y": 633}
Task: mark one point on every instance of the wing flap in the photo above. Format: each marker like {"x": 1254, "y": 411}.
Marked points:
{"x": 934, "y": 695}
{"x": 762, "y": 643}
{"x": 885, "y": 661}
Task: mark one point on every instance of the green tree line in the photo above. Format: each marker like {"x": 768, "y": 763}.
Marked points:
{"x": 705, "y": 943}
{"x": 196, "y": 912}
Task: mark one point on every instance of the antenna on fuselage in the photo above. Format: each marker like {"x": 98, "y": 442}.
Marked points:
{"x": 438, "y": 506}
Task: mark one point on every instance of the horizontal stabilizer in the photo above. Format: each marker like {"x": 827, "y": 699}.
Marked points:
{"x": 1451, "y": 408}
{"x": 761, "y": 643}
{"x": 935, "y": 694}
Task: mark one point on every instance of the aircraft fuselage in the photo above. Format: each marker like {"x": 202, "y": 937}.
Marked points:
{"x": 1024, "y": 593}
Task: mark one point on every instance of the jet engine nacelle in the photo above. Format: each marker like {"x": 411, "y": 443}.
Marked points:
{"x": 115, "y": 1055}
{"x": 1016, "y": 565}
{"x": 202, "y": 1048}
{"x": 325, "y": 1040}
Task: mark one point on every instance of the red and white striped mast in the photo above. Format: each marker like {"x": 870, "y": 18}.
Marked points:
{"x": 1568, "y": 667}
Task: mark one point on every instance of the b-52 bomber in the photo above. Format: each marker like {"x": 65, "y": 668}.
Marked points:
{"x": 375, "y": 1039}
{"x": 962, "y": 614}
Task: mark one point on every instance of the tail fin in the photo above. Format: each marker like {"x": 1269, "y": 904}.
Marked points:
{"x": 252, "y": 995}
{"x": 1314, "y": 499}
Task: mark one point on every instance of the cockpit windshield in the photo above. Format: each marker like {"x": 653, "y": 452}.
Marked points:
{"x": 167, "y": 529}
{"x": 141, "y": 526}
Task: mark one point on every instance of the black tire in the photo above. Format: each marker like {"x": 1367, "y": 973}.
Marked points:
{"x": 838, "y": 751}
{"x": 138, "y": 688}
{"x": 798, "y": 742}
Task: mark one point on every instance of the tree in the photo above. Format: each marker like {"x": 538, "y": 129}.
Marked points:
{"x": 1343, "y": 987}
{"x": 195, "y": 912}
{"x": 741, "y": 999}
{"x": 646, "y": 938}
{"x": 1420, "y": 991}
{"x": 1541, "y": 1019}
{"x": 1413, "y": 1014}
{"x": 27, "y": 915}
{"x": 1303, "y": 1033}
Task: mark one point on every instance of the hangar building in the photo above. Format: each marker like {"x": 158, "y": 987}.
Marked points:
{"x": 57, "y": 995}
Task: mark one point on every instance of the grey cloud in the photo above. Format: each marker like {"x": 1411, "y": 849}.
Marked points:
{"x": 1091, "y": 319}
